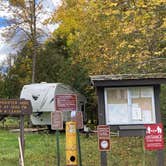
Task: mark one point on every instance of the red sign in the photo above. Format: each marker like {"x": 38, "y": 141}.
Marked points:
{"x": 56, "y": 121}
{"x": 154, "y": 139}
{"x": 103, "y": 133}
{"x": 66, "y": 102}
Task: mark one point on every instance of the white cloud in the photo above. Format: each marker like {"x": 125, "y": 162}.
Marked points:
{"x": 4, "y": 12}
{"x": 9, "y": 48}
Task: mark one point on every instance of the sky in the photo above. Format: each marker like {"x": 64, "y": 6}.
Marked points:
{"x": 7, "y": 48}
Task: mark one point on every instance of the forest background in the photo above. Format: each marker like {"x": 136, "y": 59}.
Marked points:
{"x": 92, "y": 37}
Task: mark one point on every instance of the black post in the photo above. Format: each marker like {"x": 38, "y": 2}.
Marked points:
{"x": 101, "y": 119}
{"x": 160, "y": 153}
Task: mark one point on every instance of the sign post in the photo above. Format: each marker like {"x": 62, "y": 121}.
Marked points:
{"x": 63, "y": 103}
{"x": 103, "y": 133}
{"x": 71, "y": 144}
{"x": 16, "y": 108}
{"x": 57, "y": 124}
{"x": 78, "y": 118}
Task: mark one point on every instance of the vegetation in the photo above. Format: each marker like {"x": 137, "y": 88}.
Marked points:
{"x": 40, "y": 149}
{"x": 93, "y": 37}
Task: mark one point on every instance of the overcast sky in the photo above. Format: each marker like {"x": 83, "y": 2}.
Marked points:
{"x": 8, "y": 48}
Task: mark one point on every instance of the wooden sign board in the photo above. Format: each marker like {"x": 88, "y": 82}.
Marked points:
{"x": 78, "y": 118}
{"x": 66, "y": 102}
{"x": 103, "y": 132}
{"x": 15, "y": 107}
{"x": 56, "y": 120}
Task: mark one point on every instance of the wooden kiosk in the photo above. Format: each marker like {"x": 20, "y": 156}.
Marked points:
{"x": 128, "y": 102}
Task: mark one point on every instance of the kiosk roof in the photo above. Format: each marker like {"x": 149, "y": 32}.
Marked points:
{"x": 128, "y": 79}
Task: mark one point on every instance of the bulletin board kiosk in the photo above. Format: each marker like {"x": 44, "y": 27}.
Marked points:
{"x": 127, "y": 102}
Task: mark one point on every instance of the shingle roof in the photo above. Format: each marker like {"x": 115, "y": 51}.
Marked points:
{"x": 156, "y": 78}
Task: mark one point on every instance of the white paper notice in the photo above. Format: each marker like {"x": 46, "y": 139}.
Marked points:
{"x": 117, "y": 114}
{"x": 136, "y": 113}
{"x": 147, "y": 116}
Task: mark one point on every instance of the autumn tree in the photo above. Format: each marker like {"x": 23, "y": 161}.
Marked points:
{"x": 115, "y": 37}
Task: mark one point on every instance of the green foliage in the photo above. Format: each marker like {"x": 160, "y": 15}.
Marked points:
{"x": 55, "y": 64}
{"x": 19, "y": 74}
{"x": 95, "y": 37}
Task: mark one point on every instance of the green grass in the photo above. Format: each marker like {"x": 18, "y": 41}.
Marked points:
{"x": 40, "y": 150}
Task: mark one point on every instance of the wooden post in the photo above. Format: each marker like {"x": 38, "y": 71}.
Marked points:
{"x": 101, "y": 119}
{"x": 160, "y": 153}
{"x": 22, "y": 133}
{"x": 21, "y": 152}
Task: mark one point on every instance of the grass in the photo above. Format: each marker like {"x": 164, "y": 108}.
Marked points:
{"x": 40, "y": 150}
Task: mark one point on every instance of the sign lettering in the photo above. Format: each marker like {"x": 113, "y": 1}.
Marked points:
{"x": 15, "y": 107}
{"x": 154, "y": 139}
{"x": 56, "y": 120}
{"x": 66, "y": 102}
{"x": 103, "y": 133}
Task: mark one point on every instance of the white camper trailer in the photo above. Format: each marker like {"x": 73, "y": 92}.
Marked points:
{"x": 42, "y": 97}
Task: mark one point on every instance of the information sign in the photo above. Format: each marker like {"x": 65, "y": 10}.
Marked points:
{"x": 56, "y": 120}
{"x": 66, "y": 102}
{"x": 154, "y": 139}
{"x": 15, "y": 107}
{"x": 103, "y": 133}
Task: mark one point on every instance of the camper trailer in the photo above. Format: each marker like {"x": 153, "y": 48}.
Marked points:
{"x": 42, "y": 97}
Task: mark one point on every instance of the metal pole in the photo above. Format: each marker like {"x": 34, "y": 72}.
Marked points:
{"x": 101, "y": 118}
{"x": 143, "y": 155}
{"x": 58, "y": 149}
{"x": 79, "y": 147}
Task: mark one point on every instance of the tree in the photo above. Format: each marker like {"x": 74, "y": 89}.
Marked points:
{"x": 55, "y": 64}
{"x": 115, "y": 37}
{"x": 24, "y": 21}
{"x": 19, "y": 74}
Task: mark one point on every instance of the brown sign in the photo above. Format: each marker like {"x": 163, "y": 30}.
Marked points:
{"x": 15, "y": 107}
{"x": 78, "y": 118}
{"x": 104, "y": 144}
{"x": 66, "y": 102}
{"x": 56, "y": 120}
{"x": 103, "y": 133}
